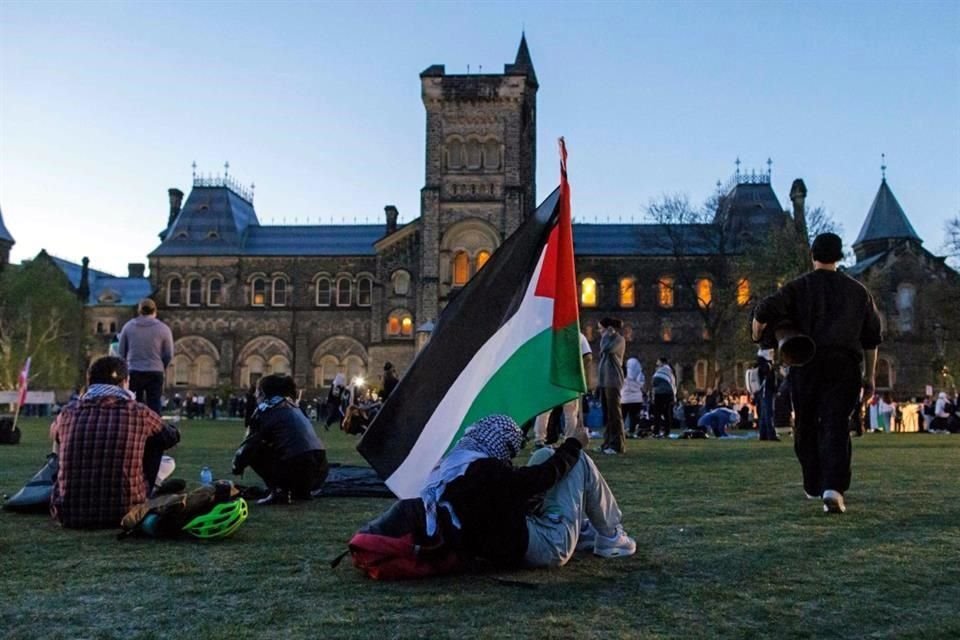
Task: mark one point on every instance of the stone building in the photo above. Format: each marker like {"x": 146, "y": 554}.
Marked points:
{"x": 246, "y": 299}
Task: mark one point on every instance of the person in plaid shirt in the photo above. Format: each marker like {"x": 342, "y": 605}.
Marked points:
{"x": 109, "y": 446}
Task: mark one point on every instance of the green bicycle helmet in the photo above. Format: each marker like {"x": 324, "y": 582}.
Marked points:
{"x": 220, "y": 522}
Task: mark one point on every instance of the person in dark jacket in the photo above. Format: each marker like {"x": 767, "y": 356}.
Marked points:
{"x": 839, "y": 314}
{"x": 481, "y": 502}
{"x": 390, "y": 380}
{"x": 281, "y": 445}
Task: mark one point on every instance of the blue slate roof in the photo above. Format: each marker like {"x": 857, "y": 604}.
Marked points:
{"x": 886, "y": 219}
{"x": 652, "y": 240}
{"x": 123, "y": 291}
{"x": 751, "y": 203}
{"x": 861, "y": 266}
{"x": 4, "y": 234}
{"x": 217, "y": 221}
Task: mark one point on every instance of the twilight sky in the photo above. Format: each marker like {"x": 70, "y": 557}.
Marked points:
{"x": 103, "y": 106}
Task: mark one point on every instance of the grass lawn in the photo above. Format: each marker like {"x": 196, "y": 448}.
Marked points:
{"x": 728, "y": 547}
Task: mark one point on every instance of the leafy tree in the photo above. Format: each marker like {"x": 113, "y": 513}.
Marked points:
{"x": 40, "y": 318}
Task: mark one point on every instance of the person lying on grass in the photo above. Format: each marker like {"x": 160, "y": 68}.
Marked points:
{"x": 110, "y": 449}
{"x": 281, "y": 445}
{"x": 480, "y": 501}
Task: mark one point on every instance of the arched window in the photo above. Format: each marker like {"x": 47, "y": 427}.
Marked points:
{"x": 461, "y": 268}
{"x": 279, "y": 364}
{"x": 174, "y": 293}
{"x": 206, "y": 371}
{"x": 885, "y": 374}
{"x": 400, "y": 323}
{"x": 588, "y": 292}
{"x": 253, "y": 369}
{"x": 481, "y": 259}
{"x": 324, "y": 292}
{"x": 704, "y": 293}
{"x": 113, "y": 327}
{"x": 455, "y": 154}
{"x": 700, "y": 374}
{"x": 194, "y": 292}
{"x": 343, "y": 292}
{"x": 324, "y": 374}
{"x": 258, "y": 292}
{"x": 354, "y": 367}
{"x": 491, "y": 154}
{"x": 906, "y": 295}
{"x": 279, "y": 292}
{"x": 666, "y": 331}
{"x": 401, "y": 282}
{"x": 215, "y": 292}
{"x": 628, "y": 296}
{"x": 181, "y": 371}
{"x": 473, "y": 154}
{"x": 99, "y": 327}
{"x": 743, "y": 291}
{"x": 665, "y": 292}
{"x": 364, "y": 292}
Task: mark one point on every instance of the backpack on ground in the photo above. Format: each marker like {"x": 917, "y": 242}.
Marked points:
{"x": 34, "y": 497}
{"x": 165, "y": 516}
{"x": 394, "y": 546}
{"x": 9, "y": 434}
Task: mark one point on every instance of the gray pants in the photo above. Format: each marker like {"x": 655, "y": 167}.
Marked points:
{"x": 582, "y": 494}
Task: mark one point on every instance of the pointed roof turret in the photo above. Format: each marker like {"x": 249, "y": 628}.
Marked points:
{"x": 4, "y": 234}
{"x": 523, "y": 62}
{"x": 885, "y": 221}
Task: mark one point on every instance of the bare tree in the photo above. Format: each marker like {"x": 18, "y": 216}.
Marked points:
{"x": 709, "y": 273}
{"x": 953, "y": 238}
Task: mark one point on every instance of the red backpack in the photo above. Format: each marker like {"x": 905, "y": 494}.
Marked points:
{"x": 394, "y": 546}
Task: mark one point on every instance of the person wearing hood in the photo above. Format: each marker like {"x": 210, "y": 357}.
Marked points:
{"x": 941, "y": 413}
{"x": 146, "y": 344}
{"x": 664, "y": 395}
{"x": 631, "y": 395}
{"x": 482, "y": 503}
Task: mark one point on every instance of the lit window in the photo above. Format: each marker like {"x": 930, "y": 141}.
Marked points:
{"x": 258, "y": 289}
{"x": 279, "y": 292}
{"x": 461, "y": 269}
{"x": 666, "y": 331}
{"x": 343, "y": 292}
{"x": 482, "y": 258}
{"x": 194, "y": 292}
{"x": 588, "y": 292}
{"x": 364, "y": 292}
{"x": 700, "y": 371}
{"x": 665, "y": 293}
{"x": 743, "y": 292}
{"x": 324, "y": 293}
{"x": 704, "y": 293}
{"x": 174, "y": 292}
{"x": 215, "y": 292}
{"x": 406, "y": 326}
{"x": 628, "y": 297}
{"x": 393, "y": 326}
{"x": 400, "y": 323}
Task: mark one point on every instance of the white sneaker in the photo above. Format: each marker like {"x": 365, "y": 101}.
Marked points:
{"x": 620, "y": 544}
{"x": 810, "y": 496}
{"x": 587, "y": 538}
{"x": 609, "y": 452}
{"x": 833, "y": 502}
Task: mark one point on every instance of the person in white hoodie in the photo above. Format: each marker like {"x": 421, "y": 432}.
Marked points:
{"x": 632, "y": 395}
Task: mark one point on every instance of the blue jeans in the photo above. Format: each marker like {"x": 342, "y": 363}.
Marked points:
{"x": 765, "y": 418}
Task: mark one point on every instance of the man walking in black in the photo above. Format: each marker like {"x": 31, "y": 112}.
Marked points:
{"x": 839, "y": 314}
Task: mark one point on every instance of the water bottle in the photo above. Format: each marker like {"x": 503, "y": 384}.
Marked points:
{"x": 206, "y": 476}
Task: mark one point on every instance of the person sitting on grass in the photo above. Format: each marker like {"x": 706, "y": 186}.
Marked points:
{"x": 281, "y": 445}
{"x": 110, "y": 449}
{"x": 479, "y": 501}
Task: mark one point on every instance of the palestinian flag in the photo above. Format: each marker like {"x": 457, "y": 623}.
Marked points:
{"x": 508, "y": 343}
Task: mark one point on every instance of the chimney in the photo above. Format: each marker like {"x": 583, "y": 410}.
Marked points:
{"x": 176, "y": 199}
{"x": 83, "y": 291}
{"x": 798, "y": 196}
{"x": 136, "y": 269}
{"x": 392, "y": 215}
